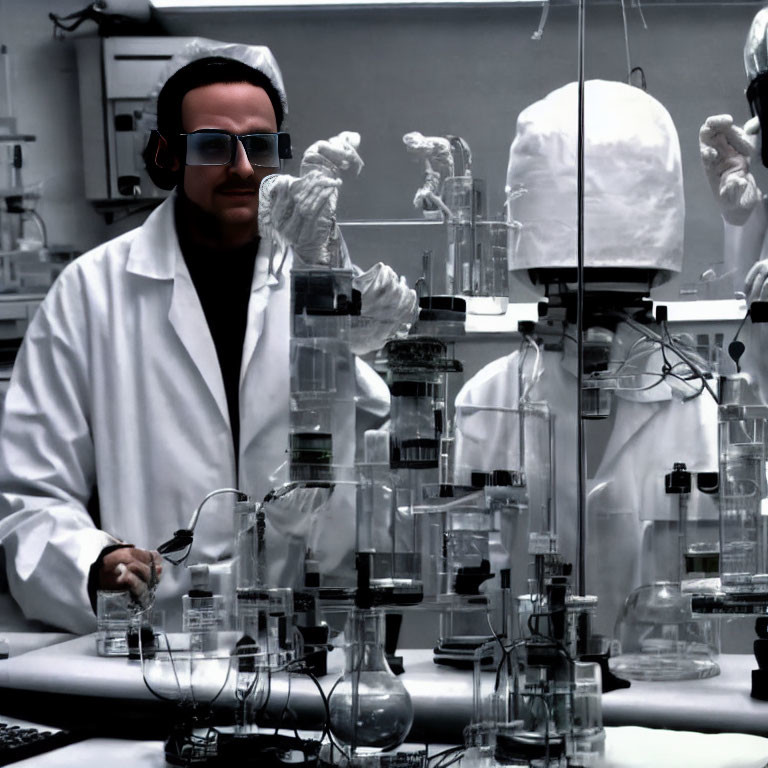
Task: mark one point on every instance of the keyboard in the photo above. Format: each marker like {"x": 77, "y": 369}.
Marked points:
{"x": 20, "y": 740}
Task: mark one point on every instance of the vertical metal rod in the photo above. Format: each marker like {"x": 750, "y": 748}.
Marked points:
{"x": 626, "y": 43}
{"x": 581, "y": 585}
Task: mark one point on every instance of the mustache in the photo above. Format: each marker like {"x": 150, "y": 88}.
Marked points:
{"x": 242, "y": 187}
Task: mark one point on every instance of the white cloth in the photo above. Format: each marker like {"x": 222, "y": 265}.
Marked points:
{"x": 633, "y": 181}
{"x": 633, "y": 747}
{"x": 118, "y": 384}
{"x": 650, "y": 432}
{"x": 744, "y": 248}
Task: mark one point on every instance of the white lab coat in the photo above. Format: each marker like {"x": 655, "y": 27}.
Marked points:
{"x": 743, "y": 247}
{"x": 650, "y": 431}
{"x": 118, "y": 385}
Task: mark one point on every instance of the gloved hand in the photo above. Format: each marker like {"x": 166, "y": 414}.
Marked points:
{"x": 333, "y": 156}
{"x": 726, "y": 150}
{"x": 387, "y": 303}
{"x": 301, "y": 212}
{"x": 438, "y": 163}
{"x": 756, "y": 282}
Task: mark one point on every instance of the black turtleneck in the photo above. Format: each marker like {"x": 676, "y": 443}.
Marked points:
{"x": 222, "y": 279}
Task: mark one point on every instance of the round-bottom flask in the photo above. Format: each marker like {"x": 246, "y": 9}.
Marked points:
{"x": 370, "y": 708}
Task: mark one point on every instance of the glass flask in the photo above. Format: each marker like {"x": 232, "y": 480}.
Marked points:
{"x": 370, "y": 709}
{"x": 660, "y": 638}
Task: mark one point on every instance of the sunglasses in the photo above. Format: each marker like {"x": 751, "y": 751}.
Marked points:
{"x": 211, "y": 147}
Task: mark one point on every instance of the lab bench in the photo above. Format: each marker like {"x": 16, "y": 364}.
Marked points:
{"x": 64, "y": 683}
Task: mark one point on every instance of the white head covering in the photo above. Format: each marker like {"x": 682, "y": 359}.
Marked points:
{"x": 258, "y": 57}
{"x": 634, "y": 208}
{"x": 756, "y": 46}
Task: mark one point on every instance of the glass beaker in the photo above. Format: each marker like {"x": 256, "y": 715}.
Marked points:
{"x": 491, "y": 290}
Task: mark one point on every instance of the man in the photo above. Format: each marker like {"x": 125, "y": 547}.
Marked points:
{"x": 156, "y": 369}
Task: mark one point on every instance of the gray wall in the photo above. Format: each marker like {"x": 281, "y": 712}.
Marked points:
{"x": 387, "y": 71}
{"x": 470, "y": 72}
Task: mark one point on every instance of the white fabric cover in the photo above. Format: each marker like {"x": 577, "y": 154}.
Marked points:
{"x": 633, "y": 747}
{"x": 258, "y": 57}
{"x": 633, "y": 198}
{"x": 756, "y": 45}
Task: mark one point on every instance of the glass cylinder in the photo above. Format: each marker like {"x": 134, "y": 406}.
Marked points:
{"x": 370, "y": 709}
{"x": 742, "y": 489}
{"x": 249, "y": 545}
{"x": 386, "y": 532}
{"x": 491, "y": 293}
{"x": 322, "y": 416}
{"x": 416, "y": 369}
{"x": 701, "y": 533}
{"x": 458, "y": 195}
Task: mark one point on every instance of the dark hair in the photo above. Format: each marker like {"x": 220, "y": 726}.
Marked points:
{"x": 207, "y": 71}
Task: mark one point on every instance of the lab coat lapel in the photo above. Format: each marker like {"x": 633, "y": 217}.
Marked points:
{"x": 155, "y": 253}
{"x": 188, "y": 320}
{"x": 264, "y": 283}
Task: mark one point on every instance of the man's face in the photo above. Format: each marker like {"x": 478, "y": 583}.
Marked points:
{"x": 229, "y": 193}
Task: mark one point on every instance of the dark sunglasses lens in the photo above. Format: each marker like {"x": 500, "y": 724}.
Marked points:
{"x": 209, "y": 148}
{"x": 261, "y": 149}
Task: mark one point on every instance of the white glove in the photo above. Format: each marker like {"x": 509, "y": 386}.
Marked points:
{"x": 756, "y": 283}
{"x": 726, "y": 150}
{"x": 333, "y": 156}
{"x": 301, "y": 212}
{"x": 387, "y": 303}
{"x": 435, "y": 149}
{"x": 438, "y": 162}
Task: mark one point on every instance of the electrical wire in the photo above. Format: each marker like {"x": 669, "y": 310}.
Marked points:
{"x": 668, "y": 345}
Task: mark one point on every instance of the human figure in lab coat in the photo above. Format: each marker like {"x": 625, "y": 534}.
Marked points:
{"x": 634, "y": 216}
{"x": 157, "y": 367}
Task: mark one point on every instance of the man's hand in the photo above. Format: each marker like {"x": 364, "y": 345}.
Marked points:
{"x": 130, "y": 568}
{"x": 726, "y": 151}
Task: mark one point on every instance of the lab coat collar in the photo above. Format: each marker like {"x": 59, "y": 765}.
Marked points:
{"x": 155, "y": 250}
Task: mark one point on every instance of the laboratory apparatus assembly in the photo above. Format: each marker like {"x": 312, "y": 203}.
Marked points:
{"x": 562, "y": 497}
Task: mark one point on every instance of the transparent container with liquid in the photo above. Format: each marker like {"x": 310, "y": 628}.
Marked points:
{"x": 370, "y": 709}
{"x": 742, "y": 486}
{"x": 416, "y": 374}
{"x": 322, "y": 412}
{"x": 386, "y": 527}
{"x": 659, "y": 636}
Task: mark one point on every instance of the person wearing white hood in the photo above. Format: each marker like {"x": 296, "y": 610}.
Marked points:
{"x": 727, "y": 152}
{"x": 157, "y": 368}
{"x": 633, "y": 239}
